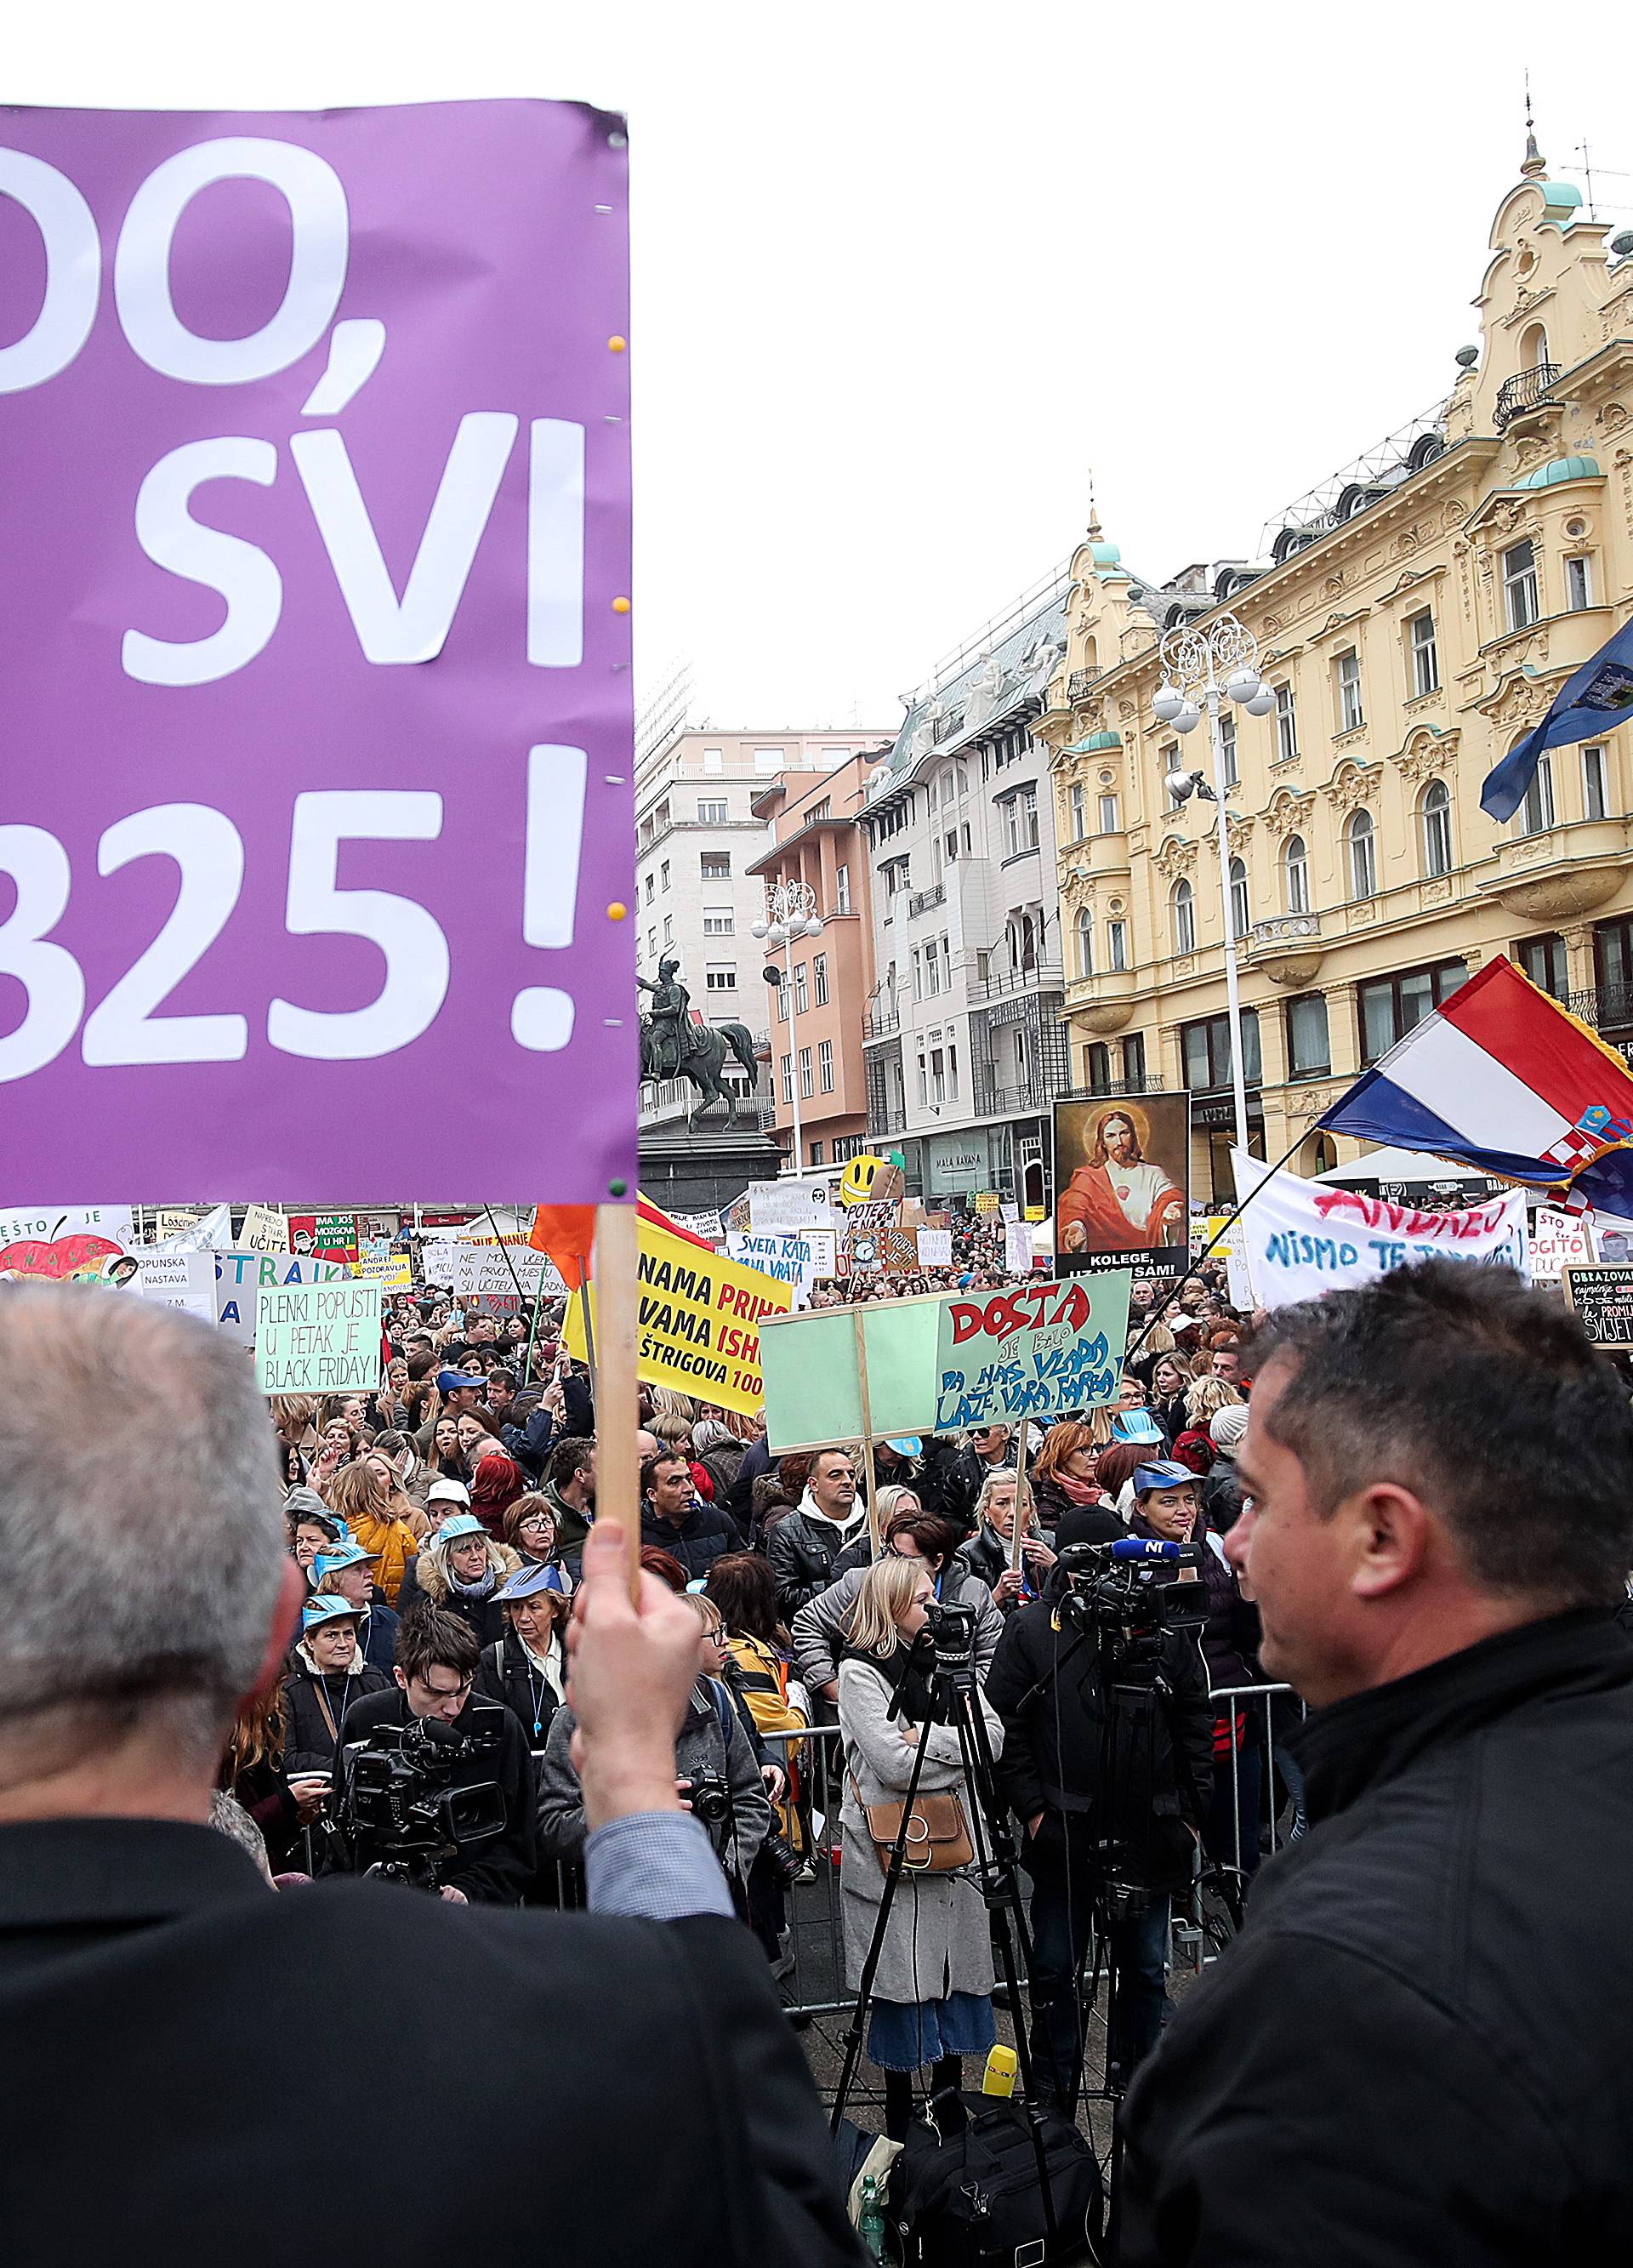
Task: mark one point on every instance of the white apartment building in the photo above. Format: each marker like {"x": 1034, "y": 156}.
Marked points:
{"x": 964, "y": 1038}
{"x": 696, "y": 837}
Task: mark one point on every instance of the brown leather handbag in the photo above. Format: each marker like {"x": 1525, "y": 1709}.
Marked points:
{"x": 937, "y": 1838}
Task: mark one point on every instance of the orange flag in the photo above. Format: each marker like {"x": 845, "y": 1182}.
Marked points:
{"x": 566, "y": 1233}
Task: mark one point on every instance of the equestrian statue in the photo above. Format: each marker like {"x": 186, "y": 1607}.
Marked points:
{"x": 673, "y": 1046}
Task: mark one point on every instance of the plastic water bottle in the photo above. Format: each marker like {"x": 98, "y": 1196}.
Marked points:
{"x": 999, "y": 2076}
{"x": 870, "y": 2223}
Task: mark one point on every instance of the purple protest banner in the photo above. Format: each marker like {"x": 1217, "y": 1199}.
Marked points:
{"x": 316, "y": 833}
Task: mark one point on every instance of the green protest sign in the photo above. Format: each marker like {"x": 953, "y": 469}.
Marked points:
{"x": 318, "y": 1338}
{"x": 938, "y": 1365}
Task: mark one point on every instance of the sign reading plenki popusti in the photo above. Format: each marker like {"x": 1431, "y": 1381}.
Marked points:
{"x": 313, "y": 555}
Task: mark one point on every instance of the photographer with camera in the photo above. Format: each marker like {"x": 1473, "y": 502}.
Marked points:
{"x": 481, "y": 1746}
{"x": 718, "y": 1773}
{"x": 932, "y": 1989}
{"x": 1108, "y": 1763}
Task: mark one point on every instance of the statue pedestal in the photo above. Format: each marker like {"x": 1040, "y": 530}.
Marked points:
{"x": 703, "y": 1172}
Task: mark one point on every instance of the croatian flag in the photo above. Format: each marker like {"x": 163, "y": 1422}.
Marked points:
{"x": 1501, "y": 1079}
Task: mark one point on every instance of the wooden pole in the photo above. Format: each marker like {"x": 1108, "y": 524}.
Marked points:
{"x": 1023, "y": 1496}
{"x": 617, "y": 1298}
{"x": 874, "y": 1535}
{"x": 589, "y": 1329}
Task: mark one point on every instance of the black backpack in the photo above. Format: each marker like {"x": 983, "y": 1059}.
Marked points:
{"x": 974, "y": 2201}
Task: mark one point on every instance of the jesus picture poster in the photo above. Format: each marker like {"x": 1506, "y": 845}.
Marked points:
{"x": 1123, "y": 1183}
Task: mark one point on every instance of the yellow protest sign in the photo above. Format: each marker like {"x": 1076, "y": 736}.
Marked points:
{"x": 391, "y": 1271}
{"x": 699, "y": 1321}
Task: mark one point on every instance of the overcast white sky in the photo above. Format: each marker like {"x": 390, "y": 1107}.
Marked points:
{"x": 904, "y": 273}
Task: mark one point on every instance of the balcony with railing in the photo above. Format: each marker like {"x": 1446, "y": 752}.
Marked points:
{"x": 922, "y": 901}
{"x": 880, "y": 1024}
{"x": 892, "y": 1120}
{"x": 1035, "y": 1091}
{"x": 1523, "y": 391}
{"x": 1608, "y": 1008}
{"x": 1078, "y": 683}
{"x": 1111, "y": 1089}
{"x": 1004, "y": 983}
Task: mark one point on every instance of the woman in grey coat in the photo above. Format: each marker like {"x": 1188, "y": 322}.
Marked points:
{"x": 932, "y": 1989}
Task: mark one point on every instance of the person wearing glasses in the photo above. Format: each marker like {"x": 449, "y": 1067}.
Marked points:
{"x": 959, "y": 1484}
{"x": 437, "y": 1655}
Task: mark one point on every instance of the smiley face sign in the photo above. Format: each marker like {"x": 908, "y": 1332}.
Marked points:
{"x": 870, "y": 1180}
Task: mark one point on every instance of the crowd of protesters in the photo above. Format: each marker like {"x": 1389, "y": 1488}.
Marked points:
{"x": 440, "y": 1524}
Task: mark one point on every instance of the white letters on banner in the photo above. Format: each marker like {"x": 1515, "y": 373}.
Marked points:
{"x": 1300, "y": 1238}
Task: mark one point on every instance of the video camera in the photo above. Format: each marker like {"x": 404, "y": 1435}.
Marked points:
{"x": 399, "y": 1811}
{"x": 1134, "y": 1587}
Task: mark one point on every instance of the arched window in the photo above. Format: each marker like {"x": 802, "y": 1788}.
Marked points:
{"x": 1533, "y": 347}
{"x": 1085, "y": 926}
{"x": 1239, "y": 900}
{"x": 1296, "y": 875}
{"x": 1436, "y": 816}
{"x": 1184, "y": 918}
{"x": 1362, "y": 855}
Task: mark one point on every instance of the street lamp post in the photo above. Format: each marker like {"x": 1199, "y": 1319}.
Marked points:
{"x": 1202, "y": 668}
{"x": 790, "y": 912}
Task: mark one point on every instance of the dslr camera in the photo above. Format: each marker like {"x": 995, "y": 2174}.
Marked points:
{"x": 399, "y": 1811}
{"x": 710, "y": 1799}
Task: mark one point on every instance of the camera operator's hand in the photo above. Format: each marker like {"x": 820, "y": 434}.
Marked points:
{"x": 632, "y": 1669}
{"x": 775, "y": 1782}
{"x": 309, "y": 1790}
{"x": 455, "y": 1897}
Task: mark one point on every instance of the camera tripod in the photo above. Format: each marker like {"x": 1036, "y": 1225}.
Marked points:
{"x": 955, "y": 1701}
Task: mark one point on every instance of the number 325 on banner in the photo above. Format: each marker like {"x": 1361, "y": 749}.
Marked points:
{"x": 125, "y": 1025}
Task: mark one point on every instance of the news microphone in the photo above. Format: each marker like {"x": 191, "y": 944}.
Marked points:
{"x": 1136, "y": 1547}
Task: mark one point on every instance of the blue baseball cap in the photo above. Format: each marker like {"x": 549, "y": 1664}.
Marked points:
{"x": 527, "y": 1582}
{"x": 328, "y": 1608}
{"x": 1137, "y": 1427}
{"x": 463, "y": 1525}
{"x": 345, "y": 1554}
{"x": 1162, "y": 1473}
{"x": 452, "y": 1381}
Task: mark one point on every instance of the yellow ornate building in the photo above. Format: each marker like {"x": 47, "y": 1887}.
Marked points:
{"x": 1414, "y": 617}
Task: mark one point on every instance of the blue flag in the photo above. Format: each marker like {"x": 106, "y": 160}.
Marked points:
{"x": 1595, "y": 699}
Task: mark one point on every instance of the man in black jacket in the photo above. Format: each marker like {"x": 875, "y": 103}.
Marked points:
{"x": 1417, "y": 2049}
{"x": 673, "y": 1519}
{"x": 1076, "y": 1776}
{"x": 805, "y": 1543}
{"x": 153, "y": 1990}
{"x": 437, "y": 1654}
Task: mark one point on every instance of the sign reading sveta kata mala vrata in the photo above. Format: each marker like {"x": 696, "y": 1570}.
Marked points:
{"x": 315, "y": 626}
{"x": 699, "y": 1321}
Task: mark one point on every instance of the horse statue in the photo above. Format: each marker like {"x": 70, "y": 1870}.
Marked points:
{"x": 704, "y": 1050}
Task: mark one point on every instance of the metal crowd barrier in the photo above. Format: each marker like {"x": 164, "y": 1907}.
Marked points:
{"x": 815, "y": 1984}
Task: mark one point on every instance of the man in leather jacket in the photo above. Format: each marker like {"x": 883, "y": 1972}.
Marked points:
{"x": 1415, "y": 2051}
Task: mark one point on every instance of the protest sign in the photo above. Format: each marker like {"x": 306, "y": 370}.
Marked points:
{"x": 179, "y": 1279}
{"x": 1008, "y": 1211}
{"x": 482, "y": 1277}
{"x": 699, "y": 1321}
{"x": 170, "y": 1221}
{"x": 797, "y": 1261}
{"x": 68, "y": 1243}
{"x": 987, "y": 1203}
{"x": 436, "y": 1262}
{"x": 1122, "y": 1180}
{"x": 863, "y": 1242}
{"x": 1016, "y": 1248}
{"x": 318, "y": 1338}
{"x": 1603, "y": 1301}
{"x": 343, "y": 795}
{"x": 1033, "y": 1352}
{"x": 390, "y": 1270}
{"x": 324, "y": 1235}
{"x": 241, "y": 1275}
{"x": 937, "y": 1364}
{"x": 870, "y": 1180}
{"x": 935, "y": 1248}
{"x": 264, "y": 1230}
{"x": 1558, "y": 1240}
{"x": 779, "y": 1208}
{"x": 1300, "y": 1238}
